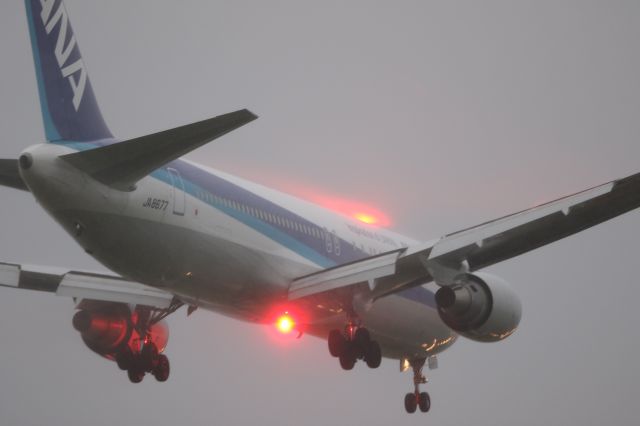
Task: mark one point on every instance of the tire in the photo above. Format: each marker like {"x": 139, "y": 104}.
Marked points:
{"x": 149, "y": 356}
{"x": 336, "y": 343}
{"x": 135, "y": 375}
{"x": 124, "y": 358}
{"x": 362, "y": 337}
{"x": 373, "y": 355}
{"x": 347, "y": 363}
{"x": 347, "y": 357}
{"x": 410, "y": 403}
{"x": 424, "y": 402}
{"x": 161, "y": 371}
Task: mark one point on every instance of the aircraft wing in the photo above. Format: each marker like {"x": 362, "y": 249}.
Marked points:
{"x": 83, "y": 285}
{"x": 10, "y": 174}
{"x": 477, "y": 247}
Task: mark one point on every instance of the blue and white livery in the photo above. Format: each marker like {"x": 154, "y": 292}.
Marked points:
{"x": 176, "y": 234}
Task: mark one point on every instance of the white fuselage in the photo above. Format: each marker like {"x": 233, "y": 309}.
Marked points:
{"x": 228, "y": 245}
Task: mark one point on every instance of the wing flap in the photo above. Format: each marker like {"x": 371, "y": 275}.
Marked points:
{"x": 122, "y": 164}
{"x": 82, "y": 285}
{"x": 9, "y": 275}
{"x": 94, "y": 287}
{"x": 499, "y": 240}
{"x": 367, "y": 270}
{"x": 482, "y": 233}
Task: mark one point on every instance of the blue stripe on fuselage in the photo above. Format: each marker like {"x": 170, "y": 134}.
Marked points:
{"x": 224, "y": 189}
{"x": 197, "y": 181}
{"x": 331, "y": 249}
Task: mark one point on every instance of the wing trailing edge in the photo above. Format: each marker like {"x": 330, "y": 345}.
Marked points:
{"x": 82, "y": 285}
{"x": 474, "y": 248}
{"x": 122, "y": 164}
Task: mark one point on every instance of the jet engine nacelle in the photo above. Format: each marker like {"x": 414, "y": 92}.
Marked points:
{"x": 479, "y": 306}
{"x": 109, "y": 329}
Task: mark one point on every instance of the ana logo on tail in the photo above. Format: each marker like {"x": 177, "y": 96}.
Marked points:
{"x": 75, "y": 72}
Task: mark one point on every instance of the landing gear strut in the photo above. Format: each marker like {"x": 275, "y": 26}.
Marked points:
{"x": 417, "y": 399}
{"x": 353, "y": 344}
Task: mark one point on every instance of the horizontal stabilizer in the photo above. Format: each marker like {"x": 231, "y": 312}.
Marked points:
{"x": 122, "y": 164}
{"x": 10, "y": 175}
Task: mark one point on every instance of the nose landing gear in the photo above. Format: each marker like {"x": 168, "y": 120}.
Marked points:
{"x": 417, "y": 399}
{"x": 353, "y": 344}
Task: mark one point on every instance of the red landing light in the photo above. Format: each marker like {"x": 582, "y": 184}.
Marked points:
{"x": 285, "y": 324}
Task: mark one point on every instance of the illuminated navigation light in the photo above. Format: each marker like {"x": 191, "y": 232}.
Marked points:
{"x": 360, "y": 211}
{"x": 366, "y": 218}
{"x": 285, "y": 324}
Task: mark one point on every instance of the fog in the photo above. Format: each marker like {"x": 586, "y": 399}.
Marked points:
{"x": 441, "y": 114}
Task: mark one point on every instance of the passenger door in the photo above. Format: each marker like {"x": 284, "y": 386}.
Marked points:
{"x": 178, "y": 195}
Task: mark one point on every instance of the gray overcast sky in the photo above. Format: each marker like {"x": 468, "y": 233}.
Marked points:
{"x": 442, "y": 114}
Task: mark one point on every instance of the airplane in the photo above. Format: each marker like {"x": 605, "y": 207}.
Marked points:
{"x": 175, "y": 233}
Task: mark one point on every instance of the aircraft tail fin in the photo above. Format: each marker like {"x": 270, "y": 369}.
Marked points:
{"x": 69, "y": 108}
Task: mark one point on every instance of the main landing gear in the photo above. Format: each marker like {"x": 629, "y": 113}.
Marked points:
{"x": 417, "y": 399}
{"x": 353, "y": 344}
{"x": 141, "y": 354}
{"x": 147, "y": 360}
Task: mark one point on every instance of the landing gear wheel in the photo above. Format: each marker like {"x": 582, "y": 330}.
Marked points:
{"x": 149, "y": 356}
{"x": 348, "y": 357}
{"x": 361, "y": 340}
{"x": 346, "y": 362}
{"x": 362, "y": 337}
{"x": 162, "y": 369}
{"x": 373, "y": 354}
{"x": 424, "y": 402}
{"x": 337, "y": 343}
{"x": 135, "y": 375}
{"x": 124, "y": 358}
{"x": 410, "y": 402}
{"x": 354, "y": 344}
